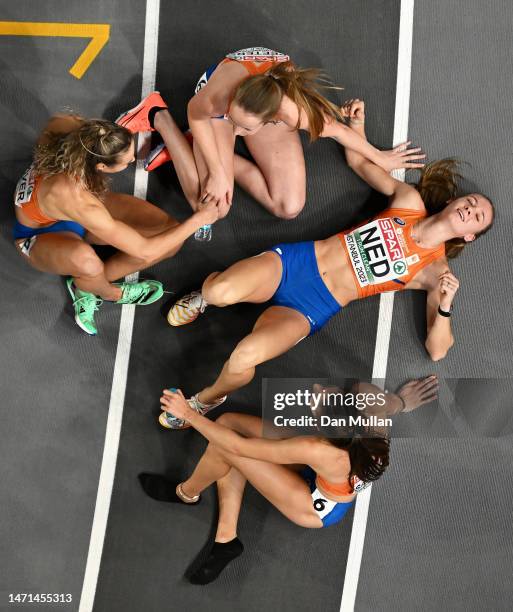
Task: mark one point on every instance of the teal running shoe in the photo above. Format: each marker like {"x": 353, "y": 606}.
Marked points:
{"x": 141, "y": 293}
{"x": 85, "y": 304}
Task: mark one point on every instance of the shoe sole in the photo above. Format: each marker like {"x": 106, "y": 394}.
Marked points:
{"x": 165, "y": 424}
{"x": 179, "y": 324}
{"x": 153, "y": 156}
{"x": 77, "y": 320}
{"x": 136, "y": 110}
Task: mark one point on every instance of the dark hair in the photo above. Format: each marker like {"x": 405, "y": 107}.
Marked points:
{"x": 369, "y": 456}
{"x": 76, "y": 153}
{"x": 439, "y": 182}
{"x": 261, "y": 95}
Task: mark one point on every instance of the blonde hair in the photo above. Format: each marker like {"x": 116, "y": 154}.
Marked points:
{"x": 77, "y": 153}
{"x": 262, "y": 94}
{"x": 439, "y": 182}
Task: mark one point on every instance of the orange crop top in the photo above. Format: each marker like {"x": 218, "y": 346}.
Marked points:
{"x": 382, "y": 253}
{"x": 256, "y": 60}
{"x": 25, "y": 197}
{"x": 341, "y": 488}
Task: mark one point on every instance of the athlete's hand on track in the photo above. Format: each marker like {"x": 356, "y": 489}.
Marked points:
{"x": 401, "y": 157}
{"x": 417, "y": 392}
{"x": 448, "y": 285}
{"x": 175, "y": 403}
{"x": 217, "y": 188}
{"x": 208, "y": 213}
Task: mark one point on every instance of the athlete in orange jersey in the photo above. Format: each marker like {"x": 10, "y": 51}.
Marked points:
{"x": 308, "y": 282}
{"x": 259, "y": 94}
{"x": 311, "y": 479}
{"x": 63, "y": 206}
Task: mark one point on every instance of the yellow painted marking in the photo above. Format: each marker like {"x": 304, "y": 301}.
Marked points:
{"x": 98, "y": 33}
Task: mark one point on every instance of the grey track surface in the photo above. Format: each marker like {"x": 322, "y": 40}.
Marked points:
{"x": 55, "y": 380}
{"x": 438, "y": 535}
{"x": 149, "y": 545}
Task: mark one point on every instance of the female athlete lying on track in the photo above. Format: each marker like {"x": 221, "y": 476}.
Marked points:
{"x": 63, "y": 206}
{"x": 261, "y": 95}
{"x": 404, "y": 247}
{"x": 312, "y": 481}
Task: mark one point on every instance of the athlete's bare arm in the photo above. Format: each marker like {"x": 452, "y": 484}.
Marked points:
{"x": 212, "y": 101}
{"x": 90, "y": 212}
{"x": 441, "y": 285}
{"x": 402, "y": 194}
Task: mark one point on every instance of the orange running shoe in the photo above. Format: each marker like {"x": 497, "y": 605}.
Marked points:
{"x": 136, "y": 119}
{"x": 160, "y": 154}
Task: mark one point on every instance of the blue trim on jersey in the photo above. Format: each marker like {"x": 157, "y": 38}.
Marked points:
{"x": 24, "y": 231}
{"x": 339, "y": 510}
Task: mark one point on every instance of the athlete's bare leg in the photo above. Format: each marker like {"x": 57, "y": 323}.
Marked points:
{"x": 277, "y": 178}
{"x": 250, "y": 280}
{"x": 280, "y": 485}
{"x": 66, "y": 254}
{"x": 276, "y": 331}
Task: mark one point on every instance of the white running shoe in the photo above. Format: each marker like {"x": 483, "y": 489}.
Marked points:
{"x": 169, "y": 421}
{"x": 186, "y": 309}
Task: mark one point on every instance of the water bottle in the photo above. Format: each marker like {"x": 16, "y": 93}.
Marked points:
{"x": 204, "y": 233}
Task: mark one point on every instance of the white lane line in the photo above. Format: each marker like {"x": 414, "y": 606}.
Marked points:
{"x": 386, "y": 303}
{"x": 117, "y": 397}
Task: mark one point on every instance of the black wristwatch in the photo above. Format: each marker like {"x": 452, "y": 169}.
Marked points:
{"x": 445, "y": 313}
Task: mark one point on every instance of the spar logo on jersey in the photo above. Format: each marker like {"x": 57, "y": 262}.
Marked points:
{"x": 399, "y": 221}
{"x": 376, "y": 253}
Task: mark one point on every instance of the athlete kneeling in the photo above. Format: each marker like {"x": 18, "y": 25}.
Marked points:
{"x": 63, "y": 206}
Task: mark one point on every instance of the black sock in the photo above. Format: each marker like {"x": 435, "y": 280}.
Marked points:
{"x": 152, "y": 112}
{"x": 217, "y": 560}
{"x": 160, "y": 488}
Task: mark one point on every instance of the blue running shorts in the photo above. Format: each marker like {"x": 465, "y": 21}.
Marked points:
{"x": 302, "y": 287}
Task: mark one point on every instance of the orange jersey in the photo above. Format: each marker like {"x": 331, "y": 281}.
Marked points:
{"x": 383, "y": 255}
{"x": 256, "y": 60}
{"x": 25, "y": 197}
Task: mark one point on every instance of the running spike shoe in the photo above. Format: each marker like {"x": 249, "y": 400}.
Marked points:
{"x": 160, "y": 154}
{"x": 86, "y": 305}
{"x": 141, "y": 293}
{"x": 169, "y": 421}
{"x": 136, "y": 119}
{"x": 187, "y": 309}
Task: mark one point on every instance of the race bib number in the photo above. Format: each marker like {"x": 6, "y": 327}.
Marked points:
{"x": 25, "y": 187}
{"x": 258, "y": 54}
{"x": 322, "y": 505}
{"x": 376, "y": 253}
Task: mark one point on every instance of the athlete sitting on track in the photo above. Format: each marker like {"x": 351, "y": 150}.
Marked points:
{"x": 63, "y": 206}
{"x": 340, "y": 461}
{"x": 309, "y": 282}
{"x": 260, "y": 95}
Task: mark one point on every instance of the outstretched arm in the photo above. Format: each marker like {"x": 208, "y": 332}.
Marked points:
{"x": 282, "y": 452}
{"x": 373, "y": 175}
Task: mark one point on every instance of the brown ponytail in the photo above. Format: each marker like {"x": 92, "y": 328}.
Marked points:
{"x": 369, "y": 456}
{"x": 262, "y": 94}
{"x": 76, "y": 153}
{"x": 439, "y": 182}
